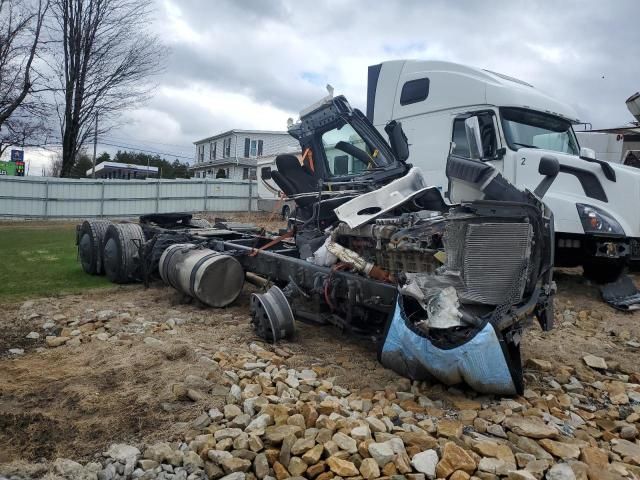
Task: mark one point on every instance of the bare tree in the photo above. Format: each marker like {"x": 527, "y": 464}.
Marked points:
{"x": 22, "y": 129}
{"x": 22, "y": 110}
{"x": 106, "y": 58}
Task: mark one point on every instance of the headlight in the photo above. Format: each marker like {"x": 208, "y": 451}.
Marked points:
{"x": 594, "y": 220}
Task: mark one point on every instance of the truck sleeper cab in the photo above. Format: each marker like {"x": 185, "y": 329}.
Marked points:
{"x": 517, "y": 126}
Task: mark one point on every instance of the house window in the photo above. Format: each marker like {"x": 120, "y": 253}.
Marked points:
{"x": 200, "y": 153}
{"x": 226, "y": 147}
{"x": 252, "y": 148}
{"x": 221, "y": 173}
{"x": 213, "y": 146}
{"x": 265, "y": 173}
{"x": 245, "y": 173}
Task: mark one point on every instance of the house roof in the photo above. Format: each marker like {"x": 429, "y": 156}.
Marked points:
{"x": 242, "y": 162}
{"x": 127, "y": 167}
{"x": 239, "y": 131}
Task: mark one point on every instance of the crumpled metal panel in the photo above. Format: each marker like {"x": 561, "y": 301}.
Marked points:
{"x": 368, "y": 206}
{"x": 480, "y": 362}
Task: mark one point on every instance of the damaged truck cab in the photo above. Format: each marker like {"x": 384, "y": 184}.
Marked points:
{"x": 447, "y": 289}
{"x": 372, "y": 248}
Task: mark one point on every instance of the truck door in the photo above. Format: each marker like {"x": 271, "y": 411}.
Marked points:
{"x": 475, "y": 152}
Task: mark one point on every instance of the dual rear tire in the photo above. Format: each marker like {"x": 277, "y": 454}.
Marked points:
{"x": 112, "y": 249}
{"x": 122, "y": 242}
{"x": 90, "y": 240}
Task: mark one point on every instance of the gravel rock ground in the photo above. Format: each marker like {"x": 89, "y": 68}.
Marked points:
{"x": 134, "y": 384}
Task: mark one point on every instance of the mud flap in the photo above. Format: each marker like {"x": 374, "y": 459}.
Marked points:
{"x": 482, "y": 362}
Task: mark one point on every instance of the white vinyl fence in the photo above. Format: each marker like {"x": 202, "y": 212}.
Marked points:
{"x": 45, "y": 197}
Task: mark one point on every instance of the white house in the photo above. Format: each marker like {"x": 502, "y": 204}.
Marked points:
{"x": 234, "y": 154}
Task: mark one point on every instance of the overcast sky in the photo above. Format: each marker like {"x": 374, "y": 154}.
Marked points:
{"x": 254, "y": 63}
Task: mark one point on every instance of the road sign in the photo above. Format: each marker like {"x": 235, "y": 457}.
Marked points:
{"x": 17, "y": 155}
{"x": 7, "y": 168}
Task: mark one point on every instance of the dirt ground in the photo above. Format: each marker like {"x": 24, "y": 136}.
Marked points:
{"x": 74, "y": 401}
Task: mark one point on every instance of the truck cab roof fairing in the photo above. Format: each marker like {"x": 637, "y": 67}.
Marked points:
{"x": 456, "y": 84}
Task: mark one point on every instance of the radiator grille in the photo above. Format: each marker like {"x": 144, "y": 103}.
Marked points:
{"x": 493, "y": 260}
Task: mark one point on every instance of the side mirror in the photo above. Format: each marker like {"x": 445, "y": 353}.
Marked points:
{"x": 587, "y": 153}
{"x": 474, "y": 138}
{"x": 398, "y": 140}
{"x": 549, "y": 167}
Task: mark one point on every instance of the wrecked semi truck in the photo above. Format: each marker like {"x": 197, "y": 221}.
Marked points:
{"x": 445, "y": 289}
{"x": 515, "y": 125}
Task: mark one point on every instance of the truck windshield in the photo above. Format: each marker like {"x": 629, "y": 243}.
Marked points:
{"x": 348, "y": 153}
{"x": 531, "y": 129}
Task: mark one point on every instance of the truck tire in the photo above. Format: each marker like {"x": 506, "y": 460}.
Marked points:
{"x": 121, "y": 255}
{"x": 90, "y": 245}
{"x": 199, "y": 223}
{"x": 603, "y": 270}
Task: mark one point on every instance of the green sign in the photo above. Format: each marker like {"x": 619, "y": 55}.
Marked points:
{"x": 14, "y": 169}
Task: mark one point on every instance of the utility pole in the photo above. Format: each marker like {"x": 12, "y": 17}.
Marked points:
{"x": 95, "y": 147}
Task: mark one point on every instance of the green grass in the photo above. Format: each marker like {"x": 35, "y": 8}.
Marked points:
{"x": 39, "y": 260}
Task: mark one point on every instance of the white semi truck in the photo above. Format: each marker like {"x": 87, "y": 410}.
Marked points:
{"x": 447, "y": 109}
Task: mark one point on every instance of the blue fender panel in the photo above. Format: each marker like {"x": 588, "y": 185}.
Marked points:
{"x": 480, "y": 362}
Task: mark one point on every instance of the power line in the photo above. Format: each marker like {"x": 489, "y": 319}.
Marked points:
{"x": 127, "y": 140}
{"x": 127, "y": 147}
{"x": 140, "y": 145}
{"x": 168, "y": 154}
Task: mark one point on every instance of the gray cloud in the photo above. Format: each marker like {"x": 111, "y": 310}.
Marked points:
{"x": 276, "y": 56}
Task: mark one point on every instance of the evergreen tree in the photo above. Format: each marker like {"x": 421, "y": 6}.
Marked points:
{"x": 81, "y": 165}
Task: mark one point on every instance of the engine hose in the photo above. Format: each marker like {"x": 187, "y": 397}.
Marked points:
{"x": 359, "y": 263}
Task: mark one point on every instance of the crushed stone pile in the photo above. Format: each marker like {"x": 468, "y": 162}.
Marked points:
{"x": 280, "y": 423}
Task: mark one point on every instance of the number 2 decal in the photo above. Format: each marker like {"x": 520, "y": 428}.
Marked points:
{"x": 524, "y": 159}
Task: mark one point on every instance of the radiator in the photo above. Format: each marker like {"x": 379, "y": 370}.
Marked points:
{"x": 492, "y": 258}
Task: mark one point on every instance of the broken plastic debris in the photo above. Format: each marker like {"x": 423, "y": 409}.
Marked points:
{"x": 322, "y": 256}
{"x": 423, "y": 286}
{"x": 621, "y": 294}
{"x": 479, "y": 360}
{"x": 442, "y": 310}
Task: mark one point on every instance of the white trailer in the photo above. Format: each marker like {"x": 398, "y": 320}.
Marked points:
{"x": 451, "y": 109}
{"x": 617, "y": 145}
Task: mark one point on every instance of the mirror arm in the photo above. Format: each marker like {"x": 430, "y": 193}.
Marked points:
{"x": 544, "y": 185}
